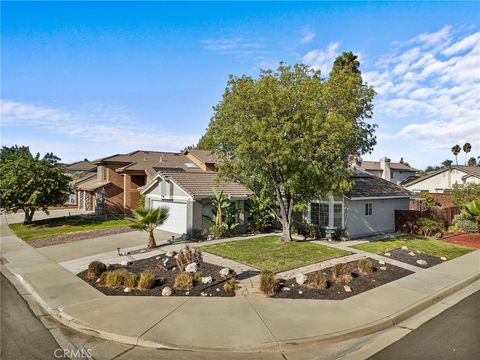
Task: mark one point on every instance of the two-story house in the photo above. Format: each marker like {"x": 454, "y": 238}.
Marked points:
{"x": 385, "y": 169}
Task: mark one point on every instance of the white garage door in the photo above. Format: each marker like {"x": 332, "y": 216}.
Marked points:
{"x": 177, "y": 220}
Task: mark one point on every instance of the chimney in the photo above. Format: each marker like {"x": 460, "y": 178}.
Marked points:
{"x": 385, "y": 166}
{"x": 161, "y": 160}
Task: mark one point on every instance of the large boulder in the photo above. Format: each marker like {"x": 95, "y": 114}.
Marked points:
{"x": 207, "y": 280}
{"x": 191, "y": 268}
{"x": 166, "y": 291}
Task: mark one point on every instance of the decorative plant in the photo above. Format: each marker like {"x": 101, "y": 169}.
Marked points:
{"x": 147, "y": 280}
{"x": 261, "y": 216}
{"x": 188, "y": 255}
{"x": 471, "y": 211}
{"x": 220, "y": 202}
{"x": 95, "y": 268}
{"x": 268, "y": 283}
{"x": 317, "y": 281}
{"x": 148, "y": 220}
{"x": 183, "y": 281}
{"x": 365, "y": 266}
{"x": 342, "y": 273}
{"x": 462, "y": 223}
{"x": 224, "y": 213}
{"x": 230, "y": 285}
{"x": 429, "y": 226}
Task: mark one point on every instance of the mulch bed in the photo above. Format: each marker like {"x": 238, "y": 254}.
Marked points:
{"x": 471, "y": 240}
{"x": 66, "y": 238}
{"x": 165, "y": 278}
{"x": 336, "y": 291}
{"x": 403, "y": 256}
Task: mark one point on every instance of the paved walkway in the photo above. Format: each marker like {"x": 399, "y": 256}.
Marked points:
{"x": 244, "y": 323}
{"x": 40, "y": 215}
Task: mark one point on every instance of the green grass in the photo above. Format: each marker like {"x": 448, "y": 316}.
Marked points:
{"x": 269, "y": 253}
{"x": 427, "y": 245}
{"x": 58, "y": 226}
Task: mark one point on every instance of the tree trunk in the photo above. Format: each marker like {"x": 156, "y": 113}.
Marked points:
{"x": 151, "y": 241}
{"x": 286, "y": 230}
{"x": 28, "y": 215}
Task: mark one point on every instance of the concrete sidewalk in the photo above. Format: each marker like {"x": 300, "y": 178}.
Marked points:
{"x": 242, "y": 323}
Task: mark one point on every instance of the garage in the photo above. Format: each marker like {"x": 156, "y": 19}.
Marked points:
{"x": 177, "y": 220}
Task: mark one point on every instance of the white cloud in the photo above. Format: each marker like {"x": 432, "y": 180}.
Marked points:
{"x": 308, "y": 37}
{"x": 102, "y": 128}
{"x": 322, "y": 59}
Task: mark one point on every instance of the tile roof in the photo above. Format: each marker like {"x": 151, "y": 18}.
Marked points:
{"x": 375, "y": 165}
{"x": 205, "y": 156}
{"x": 83, "y": 165}
{"x": 82, "y": 179}
{"x": 200, "y": 184}
{"x": 367, "y": 185}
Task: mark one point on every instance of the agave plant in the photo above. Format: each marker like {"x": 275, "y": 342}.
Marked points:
{"x": 148, "y": 220}
{"x": 471, "y": 211}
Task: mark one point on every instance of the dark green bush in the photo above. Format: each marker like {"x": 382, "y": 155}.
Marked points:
{"x": 96, "y": 268}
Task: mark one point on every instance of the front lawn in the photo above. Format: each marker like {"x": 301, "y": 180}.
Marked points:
{"x": 269, "y": 253}
{"x": 66, "y": 225}
{"x": 427, "y": 245}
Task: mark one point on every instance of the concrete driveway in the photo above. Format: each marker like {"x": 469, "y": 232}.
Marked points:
{"x": 40, "y": 215}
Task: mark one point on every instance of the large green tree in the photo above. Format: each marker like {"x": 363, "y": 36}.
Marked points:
{"x": 31, "y": 183}
{"x": 288, "y": 134}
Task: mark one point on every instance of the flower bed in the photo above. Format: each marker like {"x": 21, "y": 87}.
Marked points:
{"x": 414, "y": 257}
{"x": 165, "y": 276}
{"x": 360, "y": 282}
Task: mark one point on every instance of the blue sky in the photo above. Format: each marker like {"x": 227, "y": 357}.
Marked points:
{"x": 91, "y": 79}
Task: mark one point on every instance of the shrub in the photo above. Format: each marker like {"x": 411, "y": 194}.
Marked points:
{"x": 219, "y": 231}
{"x": 230, "y": 285}
{"x": 462, "y": 223}
{"x": 114, "y": 278}
{"x": 183, "y": 281}
{"x": 365, "y": 266}
{"x": 147, "y": 280}
{"x": 187, "y": 256}
{"x": 338, "y": 234}
{"x": 342, "y": 273}
{"x": 130, "y": 280}
{"x": 198, "y": 276}
{"x": 317, "y": 281}
{"x": 430, "y": 226}
{"x": 96, "y": 268}
{"x": 267, "y": 283}
{"x": 309, "y": 230}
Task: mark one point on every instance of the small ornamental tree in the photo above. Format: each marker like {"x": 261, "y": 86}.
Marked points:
{"x": 31, "y": 183}
{"x": 288, "y": 135}
{"x": 148, "y": 220}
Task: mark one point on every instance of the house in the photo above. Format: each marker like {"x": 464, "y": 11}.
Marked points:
{"x": 118, "y": 179}
{"x": 443, "y": 181}
{"x": 367, "y": 209}
{"x": 80, "y": 167}
{"x": 393, "y": 172}
{"x": 188, "y": 196}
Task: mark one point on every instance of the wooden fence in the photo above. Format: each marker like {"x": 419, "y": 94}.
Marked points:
{"x": 407, "y": 220}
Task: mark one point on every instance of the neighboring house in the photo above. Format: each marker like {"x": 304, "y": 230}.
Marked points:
{"x": 76, "y": 171}
{"x": 443, "y": 181}
{"x": 393, "y": 172}
{"x": 118, "y": 180}
{"x": 188, "y": 195}
{"x": 367, "y": 209}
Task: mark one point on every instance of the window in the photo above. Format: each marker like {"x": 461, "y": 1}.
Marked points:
{"x": 314, "y": 213}
{"x": 368, "y": 209}
{"x": 337, "y": 215}
{"x": 324, "y": 215}
{"x": 101, "y": 173}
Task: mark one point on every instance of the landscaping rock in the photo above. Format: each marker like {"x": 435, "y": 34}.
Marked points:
{"x": 300, "y": 279}
{"x": 191, "y": 268}
{"x": 187, "y": 293}
{"x": 286, "y": 288}
{"x": 224, "y": 272}
{"x": 422, "y": 262}
{"x": 300, "y": 292}
{"x": 142, "y": 251}
{"x": 381, "y": 262}
{"x": 127, "y": 290}
{"x": 158, "y": 258}
{"x": 383, "y": 268}
{"x": 125, "y": 263}
{"x": 170, "y": 253}
{"x": 411, "y": 253}
{"x": 217, "y": 289}
{"x": 207, "y": 280}
{"x": 438, "y": 235}
{"x": 203, "y": 294}
{"x": 404, "y": 247}
{"x": 98, "y": 280}
{"x": 166, "y": 291}
{"x": 388, "y": 254}
{"x": 347, "y": 288}
{"x": 443, "y": 258}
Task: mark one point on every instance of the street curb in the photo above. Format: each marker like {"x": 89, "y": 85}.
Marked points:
{"x": 370, "y": 328}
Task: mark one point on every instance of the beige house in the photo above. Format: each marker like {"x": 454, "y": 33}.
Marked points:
{"x": 384, "y": 168}
{"x": 444, "y": 180}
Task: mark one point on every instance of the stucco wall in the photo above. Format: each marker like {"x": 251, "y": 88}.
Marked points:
{"x": 358, "y": 224}
{"x": 399, "y": 175}
{"x": 439, "y": 182}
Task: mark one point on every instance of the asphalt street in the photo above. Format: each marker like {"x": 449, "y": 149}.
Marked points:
{"x": 454, "y": 334}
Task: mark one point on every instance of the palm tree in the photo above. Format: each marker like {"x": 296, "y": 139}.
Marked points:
{"x": 471, "y": 210}
{"x": 472, "y": 162}
{"x": 456, "y": 150}
{"x": 220, "y": 202}
{"x": 148, "y": 220}
{"x": 447, "y": 163}
{"x": 467, "y": 147}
